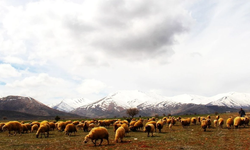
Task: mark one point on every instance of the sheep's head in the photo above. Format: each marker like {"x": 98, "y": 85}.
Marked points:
{"x": 4, "y": 128}
{"x": 86, "y": 139}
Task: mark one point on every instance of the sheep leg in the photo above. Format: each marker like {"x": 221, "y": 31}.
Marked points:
{"x": 101, "y": 142}
{"x": 108, "y": 140}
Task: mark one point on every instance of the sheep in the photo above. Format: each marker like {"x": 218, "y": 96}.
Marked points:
{"x": 170, "y": 126}
{"x": 230, "y": 122}
{"x": 42, "y": 129}
{"x": 136, "y": 126}
{"x": 149, "y": 128}
{"x": 69, "y": 129}
{"x": 52, "y": 125}
{"x": 208, "y": 117}
{"x": 28, "y": 126}
{"x": 119, "y": 134}
{"x": 151, "y": 122}
{"x": 35, "y": 122}
{"x": 199, "y": 119}
{"x": 75, "y": 122}
{"x": 1, "y": 126}
{"x": 86, "y": 126}
{"x": 34, "y": 128}
{"x": 173, "y": 121}
{"x": 217, "y": 117}
{"x": 61, "y": 126}
{"x": 208, "y": 123}
{"x": 246, "y": 121}
{"x": 238, "y": 121}
{"x": 159, "y": 125}
{"x": 215, "y": 123}
{"x": 96, "y": 134}
{"x": 25, "y": 128}
{"x": 185, "y": 122}
{"x": 193, "y": 120}
{"x": 132, "y": 123}
{"x": 91, "y": 126}
{"x": 13, "y": 126}
{"x": 221, "y": 122}
{"x": 204, "y": 124}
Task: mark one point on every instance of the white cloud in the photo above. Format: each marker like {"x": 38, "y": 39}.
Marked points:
{"x": 7, "y": 71}
{"x": 91, "y": 86}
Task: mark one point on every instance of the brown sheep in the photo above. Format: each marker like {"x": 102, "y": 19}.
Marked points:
{"x": 69, "y": 129}
{"x": 96, "y": 134}
{"x": 221, "y": 122}
{"x": 193, "y": 120}
{"x": 75, "y": 122}
{"x": 159, "y": 125}
{"x": 185, "y": 122}
{"x": 199, "y": 120}
{"x": 137, "y": 125}
{"x": 52, "y": 125}
{"x": 230, "y": 122}
{"x": 217, "y": 117}
{"x": 28, "y": 126}
{"x": 35, "y": 122}
{"x": 215, "y": 123}
{"x": 238, "y": 121}
{"x": 25, "y": 128}
{"x": 13, "y": 126}
{"x": 204, "y": 124}
{"x": 61, "y": 126}
{"x": 149, "y": 128}
{"x": 34, "y": 128}
{"x": 208, "y": 123}
{"x": 119, "y": 134}
{"x": 132, "y": 123}
{"x": 42, "y": 129}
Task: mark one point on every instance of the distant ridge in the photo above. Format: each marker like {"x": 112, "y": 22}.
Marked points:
{"x": 29, "y": 106}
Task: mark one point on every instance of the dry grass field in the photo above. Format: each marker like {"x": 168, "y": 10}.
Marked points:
{"x": 191, "y": 137}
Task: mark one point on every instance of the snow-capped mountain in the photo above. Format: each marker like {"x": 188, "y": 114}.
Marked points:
{"x": 68, "y": 105}
{"x": 232, "y": 100}
{"x": 148, "y": 103}
{"x": 115, "y": 104}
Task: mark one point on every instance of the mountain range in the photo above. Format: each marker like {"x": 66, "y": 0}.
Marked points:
{"x": 150, "y": 104}
{"x": 116, "y": 104}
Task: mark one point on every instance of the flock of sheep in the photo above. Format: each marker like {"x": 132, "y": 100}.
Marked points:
{"x": 97, "y": 128}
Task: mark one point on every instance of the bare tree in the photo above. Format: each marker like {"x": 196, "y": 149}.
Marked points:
{"x": 132, "y": 112}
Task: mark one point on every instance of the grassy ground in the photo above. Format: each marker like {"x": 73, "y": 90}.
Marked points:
{"x": 192, "y": 137}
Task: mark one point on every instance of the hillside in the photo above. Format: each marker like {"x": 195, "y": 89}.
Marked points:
{"x": 29, "y": 105}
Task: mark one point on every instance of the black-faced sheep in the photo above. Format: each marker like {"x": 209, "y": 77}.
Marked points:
{"x": 13, "y": 126}
{"x": 246, "y": 120}
{"x": 96, "y": 134}
{"x": 199, "y": 120}
{"x": 119, "y": 134}
{"x": 149, "y": 128}
{"x": 69, "y": 129}
{"x": 42, "y": 129}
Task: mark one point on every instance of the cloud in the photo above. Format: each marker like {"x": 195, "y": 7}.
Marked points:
{"x": 7, "y": 71}
{"x": 91, "y": 86}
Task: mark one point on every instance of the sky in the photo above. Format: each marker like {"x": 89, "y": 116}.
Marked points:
{"x": 65, "y": 49}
